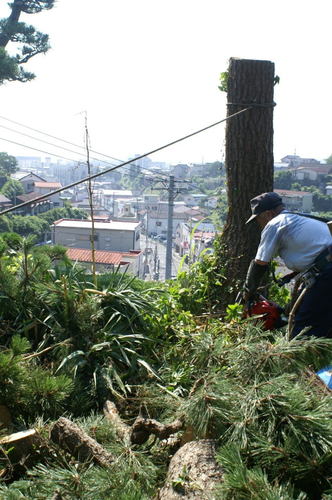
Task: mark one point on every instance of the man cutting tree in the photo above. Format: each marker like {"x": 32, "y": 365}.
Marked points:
{"x": 305, "y": 246}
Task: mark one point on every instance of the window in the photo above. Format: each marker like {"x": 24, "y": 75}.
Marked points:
{"x": 137, "y": 236}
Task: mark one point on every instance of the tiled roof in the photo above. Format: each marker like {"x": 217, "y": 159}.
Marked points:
{"x": 287, "y": 192}
{"x": 3, "y": 199}
{"x": 29, "y": 197}
{"x": 48, "y": 184}
{"x": 101, "y": 257}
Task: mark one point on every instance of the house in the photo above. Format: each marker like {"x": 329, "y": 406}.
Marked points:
{"x": 4, "y": 202}
{"x": 295, "y": 161}
{"x": 27, "y": 179}
{"x": 119, "y": 236}
{"x": 296, "y": 200}
{"x": 124, "y": 208}
{"x": 192, "y": 239}
{"x": 180, "y": 171}
{"x": 131, "y": 262}
{"x": 194, "y": 199}
{"x": 312, "y": 172}
{"x": 43, "y": 187}
{"x": 157, "y": 221}
{"x": 33, "y": 208}
{"x": 108, "y": 197}
{"x": 328, "y": 190}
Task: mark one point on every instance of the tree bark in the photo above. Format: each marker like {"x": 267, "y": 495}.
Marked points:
{"x": 11, "y": 22}
{"x": 122, "y": 430}
{"x": 143, "y": 427}
{"x": 249, "y": 158}
{"x": 193, "y": 472}
{"x": 72, "y": 439}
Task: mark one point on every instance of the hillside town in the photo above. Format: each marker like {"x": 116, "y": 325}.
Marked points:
{"x": 131, "y": 207}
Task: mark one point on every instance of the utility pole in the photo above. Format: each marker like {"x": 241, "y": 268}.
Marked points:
{"x": 169, "y": 244}
{"x": 90, "y": 196}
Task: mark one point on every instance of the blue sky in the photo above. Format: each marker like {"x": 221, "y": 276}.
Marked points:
{"x": 147, "y": 73}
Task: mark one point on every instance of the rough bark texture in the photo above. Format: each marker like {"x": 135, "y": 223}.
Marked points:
{"x": 72, "y": 439}
{"x": 193, "y": 472}
{"x": 143, "y": 427}
{"x": 122, "y": 430}
{"x": 249, "y": 157}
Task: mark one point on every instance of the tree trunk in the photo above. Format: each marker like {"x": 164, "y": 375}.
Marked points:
{"x": 10, "y": 25}
{"x": 193, "y": 472}
{"x": 72, "y": 439}
{"x": 249, "y": 159}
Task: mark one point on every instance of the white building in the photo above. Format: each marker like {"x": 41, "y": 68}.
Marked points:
{"x": 43, "y": 187}
{"x": 108, "y": 197}
{"x": 113, "y": 236}
{"x": 296, "y": 200}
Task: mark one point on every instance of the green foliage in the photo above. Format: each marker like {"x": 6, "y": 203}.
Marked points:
{"x": 5, "y": 224}
{"x": 12, "y": 188}
{"x": 283, "y": 179}
{"x": 257, "y": 397}
{"x": 8, "y": 67}
{"x": 223, "y": 81}
{"x": 63, "y": 213}
{"x": 27, "y": 225}
{"x": 30, "y": 42}
{"x": 12, "y": 240}
{"x": 28, "y": 390}
{"x": 8, "y": 164}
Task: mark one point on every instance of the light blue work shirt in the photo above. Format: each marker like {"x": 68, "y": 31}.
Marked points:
{"x": 296, "y": 239}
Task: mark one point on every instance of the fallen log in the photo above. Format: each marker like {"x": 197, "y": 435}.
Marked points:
{"x": 71, "y": 438}
{"x": 122, "y": 430}
{"x": 193, "y": 472}
{"x": 143, "y": 427}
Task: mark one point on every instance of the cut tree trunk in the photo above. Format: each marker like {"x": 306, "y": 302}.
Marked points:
{"x": 249, "y": 158}
{"x": 193, "y": 472}
{"x": 72, "y": 439}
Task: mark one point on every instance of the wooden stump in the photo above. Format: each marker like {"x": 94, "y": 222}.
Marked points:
{"x": 72, "y": 439}
{"x": 193, "y": 472}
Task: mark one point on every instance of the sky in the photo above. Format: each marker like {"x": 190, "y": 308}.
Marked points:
{"x": 146, "y": 72}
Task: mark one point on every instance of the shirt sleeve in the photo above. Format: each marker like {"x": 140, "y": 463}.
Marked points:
{"x": 269, "y": 243}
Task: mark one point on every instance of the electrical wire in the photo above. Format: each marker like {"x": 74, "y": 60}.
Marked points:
{"x": 66, "y": 142}
{"x": 176, "y": 141}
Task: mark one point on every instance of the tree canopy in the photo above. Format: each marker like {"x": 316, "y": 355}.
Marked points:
{"x": 29, "y": 42}
{"x": 8, "y": 163}
{"x": 12, "y": 188}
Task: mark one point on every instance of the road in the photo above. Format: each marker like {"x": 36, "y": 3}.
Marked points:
{"x": 156, "y": 260}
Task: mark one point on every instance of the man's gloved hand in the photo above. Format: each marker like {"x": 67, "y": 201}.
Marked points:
{"x": 252, "y": 282}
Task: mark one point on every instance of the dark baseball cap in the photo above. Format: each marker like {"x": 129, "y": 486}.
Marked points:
{"x": 263, "y": 202}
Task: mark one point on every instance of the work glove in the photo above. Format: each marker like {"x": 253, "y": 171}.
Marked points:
{"x": 253, "y": 279}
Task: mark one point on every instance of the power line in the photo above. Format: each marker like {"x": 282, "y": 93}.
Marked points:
{"x": 123, "y": 164}
{"x": 64, "y": 157}
{"x": 62, "y": 140}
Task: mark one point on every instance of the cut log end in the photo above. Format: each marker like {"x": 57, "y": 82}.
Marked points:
{"x": 193, "y": 472}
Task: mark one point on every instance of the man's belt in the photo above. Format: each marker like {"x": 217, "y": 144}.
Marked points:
{"x": 322, "y": 260}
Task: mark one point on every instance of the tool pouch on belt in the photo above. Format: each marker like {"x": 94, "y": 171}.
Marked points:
{"x": 309, "y": 277}
{"x": 323, "y": 259}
